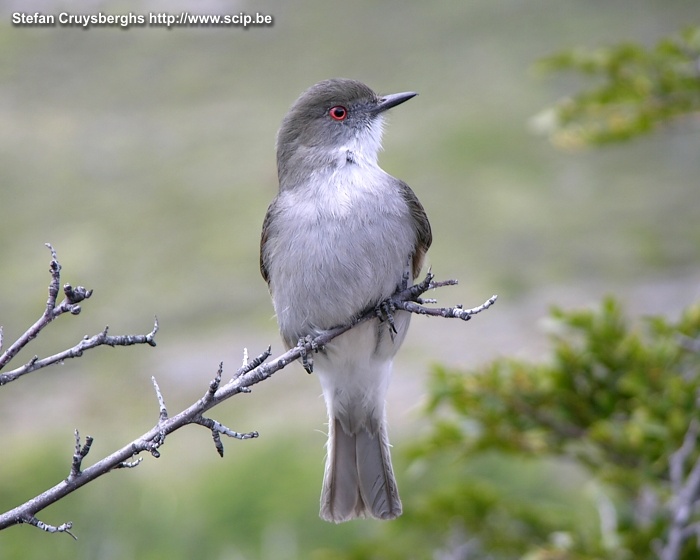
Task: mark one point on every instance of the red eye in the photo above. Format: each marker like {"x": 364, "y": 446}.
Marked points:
{"x": 338, "y": 113}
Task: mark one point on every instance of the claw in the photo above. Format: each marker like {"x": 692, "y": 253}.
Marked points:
{"x": 385, "y": 311}
{"x": 305, "y": 343}
{"x": 406, "y": 279}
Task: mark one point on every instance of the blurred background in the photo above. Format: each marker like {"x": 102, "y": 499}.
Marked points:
{"x": 146, "y": 157}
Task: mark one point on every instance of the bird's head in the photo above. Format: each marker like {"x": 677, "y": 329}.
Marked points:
{"x": 333, "y": 122}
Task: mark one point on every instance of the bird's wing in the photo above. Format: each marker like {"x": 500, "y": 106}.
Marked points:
{"x": 263, "y": 239}
{"x": 424, "y": 235}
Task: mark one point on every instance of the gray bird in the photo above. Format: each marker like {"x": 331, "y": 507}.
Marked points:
{"x": 337, "y": 240}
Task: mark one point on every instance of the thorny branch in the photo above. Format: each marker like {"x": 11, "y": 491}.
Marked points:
{"x": 249, "y": 374}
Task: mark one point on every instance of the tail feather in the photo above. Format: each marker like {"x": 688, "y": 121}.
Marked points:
{"x": 376, "y": 475}
{"x": 359, "y": 479}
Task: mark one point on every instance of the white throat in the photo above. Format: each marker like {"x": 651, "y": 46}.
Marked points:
{"x": 364, "y": 147}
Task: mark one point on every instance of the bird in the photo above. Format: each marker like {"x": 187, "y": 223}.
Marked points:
{"x": 338, "y": 239}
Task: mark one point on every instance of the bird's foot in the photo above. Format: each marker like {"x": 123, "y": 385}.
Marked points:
{"x": 307, "y": 346}
{"x": 385, "y": 312}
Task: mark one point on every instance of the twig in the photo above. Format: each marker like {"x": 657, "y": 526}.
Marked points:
{"x": 150, "y": 442}
{"x": 163, "y": 416}
{"x": 65, "y": 528}
{"x": 70, "y": 304}
{"x": 686, "y": 491}
{"x": 249, "y": 374}
{"x": 80, "y": 453}
{"x": 51, "y": 310}
{"x": 100, "y": 339}
{"x": 409, "y": 300}
{"x": 217, "y": 429}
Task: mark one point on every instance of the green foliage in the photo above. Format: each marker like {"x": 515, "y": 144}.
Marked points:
{"x": 616, "y": 400}
{"x": 637, "y": 90}
{"x": 563, "y": 460}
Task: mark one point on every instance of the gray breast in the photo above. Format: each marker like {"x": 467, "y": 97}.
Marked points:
{"x": 336, "y": 254}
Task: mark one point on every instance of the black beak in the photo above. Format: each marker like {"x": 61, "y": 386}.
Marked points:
{"x": 392, "y": 100}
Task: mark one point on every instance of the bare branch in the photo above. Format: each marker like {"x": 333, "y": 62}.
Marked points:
{"x": 448, "y": 312}
{"x": 217, "y": 429}
{"x": 100, "y": 339}
{"x": 129, "y": 464}
{"x": 249, "y": 374}
{"x": 70, "y": 304}
{"x": 410, "y": 300}
{"x": 79, "y": 455}
{"x": 686, "y": 491}
{"x": 49, "y": 313}
{"x": 163, "y": 416}
{"x": 64, "y": 528}
{"x": 251, "y": 365}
